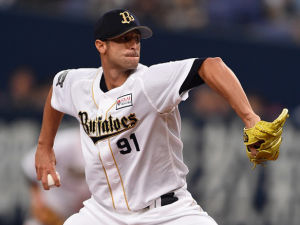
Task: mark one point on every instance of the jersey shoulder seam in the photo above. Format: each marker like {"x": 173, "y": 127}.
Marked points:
{"x": 81, "y": 75}
{"x": 169, "y": 148}
{"x": 147, "y": 97}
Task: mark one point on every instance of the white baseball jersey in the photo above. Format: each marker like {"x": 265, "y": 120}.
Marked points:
{"x": 130, "y": 135}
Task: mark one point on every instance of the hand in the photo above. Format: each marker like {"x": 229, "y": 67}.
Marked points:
{"x": 263, "y": 140}
{"x": 249, "y": 123}
{"x": 254, "y": 146}
{"x": 45, "y": 164}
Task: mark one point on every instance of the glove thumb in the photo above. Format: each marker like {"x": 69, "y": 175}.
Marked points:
{"x": 279, "y": 122}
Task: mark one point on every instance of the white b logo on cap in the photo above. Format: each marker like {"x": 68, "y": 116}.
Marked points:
{"x": 127, "y": 18}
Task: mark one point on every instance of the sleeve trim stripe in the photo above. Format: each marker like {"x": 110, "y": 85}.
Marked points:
{"x": 193, "y": 79}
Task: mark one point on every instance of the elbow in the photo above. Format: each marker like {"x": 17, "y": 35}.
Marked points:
{"x": 213, "y": 61}
{"x": 210, "y": 66}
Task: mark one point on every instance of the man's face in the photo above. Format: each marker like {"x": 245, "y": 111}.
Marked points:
{"x": 124, "y": 52}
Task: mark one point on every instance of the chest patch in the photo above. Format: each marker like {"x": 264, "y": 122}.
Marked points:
{"x": 124, "y": 101}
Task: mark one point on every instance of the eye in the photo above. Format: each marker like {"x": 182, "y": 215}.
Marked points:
{"x": 125, "y": 39}
{"x": 138, "y": 39}
{"x": 128, "y": 38}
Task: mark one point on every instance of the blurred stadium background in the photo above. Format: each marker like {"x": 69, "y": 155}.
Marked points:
{"x": 258, "y": 39}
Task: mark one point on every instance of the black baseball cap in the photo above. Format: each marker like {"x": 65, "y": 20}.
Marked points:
{"x": 117, "y": 22}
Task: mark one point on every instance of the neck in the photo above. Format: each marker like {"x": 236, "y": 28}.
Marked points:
{"x": 115, "y": 78}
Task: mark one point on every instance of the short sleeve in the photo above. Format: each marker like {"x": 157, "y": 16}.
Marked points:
{"x": 61, "y": 95}
{"x": 163, "y": 82}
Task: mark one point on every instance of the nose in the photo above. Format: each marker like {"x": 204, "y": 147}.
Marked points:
{"x": 133, "y": 43}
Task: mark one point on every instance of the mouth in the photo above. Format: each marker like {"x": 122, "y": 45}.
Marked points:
{"x": 132, "y": 55}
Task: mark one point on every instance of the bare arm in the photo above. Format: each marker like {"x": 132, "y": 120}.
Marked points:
{"x": 44, "y": 156}
{"x": 220, "y": 78}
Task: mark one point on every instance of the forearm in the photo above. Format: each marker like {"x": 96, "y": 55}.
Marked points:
{"x": 220, "y": 78}
{"x": 50, "y": 124}
{"x": 44, "y": 157}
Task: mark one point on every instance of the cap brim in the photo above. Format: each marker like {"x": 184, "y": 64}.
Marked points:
{"x": 145, "y": 31}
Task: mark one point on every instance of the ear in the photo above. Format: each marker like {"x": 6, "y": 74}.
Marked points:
{"x": 101, "y": 46}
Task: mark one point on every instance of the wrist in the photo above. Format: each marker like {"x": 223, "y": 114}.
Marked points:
{"x": 45, "y": 145}
{"x": 251, "y": 120}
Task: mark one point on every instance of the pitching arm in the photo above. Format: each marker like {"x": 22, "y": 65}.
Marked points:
{"x": 221, "y": 79}
{"x": 44, "y": 157}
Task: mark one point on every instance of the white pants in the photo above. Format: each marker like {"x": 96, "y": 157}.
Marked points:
{"x": 185, "y": 211}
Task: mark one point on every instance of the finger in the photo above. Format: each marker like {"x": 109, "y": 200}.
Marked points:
{"x": 253, "y": 151}
{"x": 45, "y": 180}
{"x": 55, "y": 178}
{"x": 38, "y": 173}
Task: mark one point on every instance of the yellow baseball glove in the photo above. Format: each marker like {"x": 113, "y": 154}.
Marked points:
{"x": 266, "y": 138}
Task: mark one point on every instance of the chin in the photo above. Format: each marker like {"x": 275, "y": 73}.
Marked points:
{"x": 132, "y": 64}
{"x": 133, "y": 67}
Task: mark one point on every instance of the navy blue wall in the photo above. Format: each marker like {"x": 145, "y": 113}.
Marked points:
{"x": 53, "y": 44}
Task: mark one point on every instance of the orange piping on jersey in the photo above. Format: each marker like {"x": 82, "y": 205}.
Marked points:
{"x": 112, "y": 197}
{"x": 109, "y": 110}
{"x": 93, "y": 95}
{"x": 116, "y": 162}
{"x": 119, "y": 175}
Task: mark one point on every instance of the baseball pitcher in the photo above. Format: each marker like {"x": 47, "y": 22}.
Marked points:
{"x": 130, "y": 128}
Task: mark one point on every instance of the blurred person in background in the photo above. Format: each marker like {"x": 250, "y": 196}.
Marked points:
{"x": 24, "y": 95}
{"x": 234, "y": 12}
{"x": 208, "y": 104}
{"x": 280, "y": 21}
{"x": 185, "y": 14}
{"x": 150, "y": 12}
{"x": 277, "y": 10}
{"x": 276, "y": 20}
{"x": 54, "y": 206}
{"x": 21, "y": 86}
{"x": 18, "y": 98}
{"x": 83, "y": 9}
